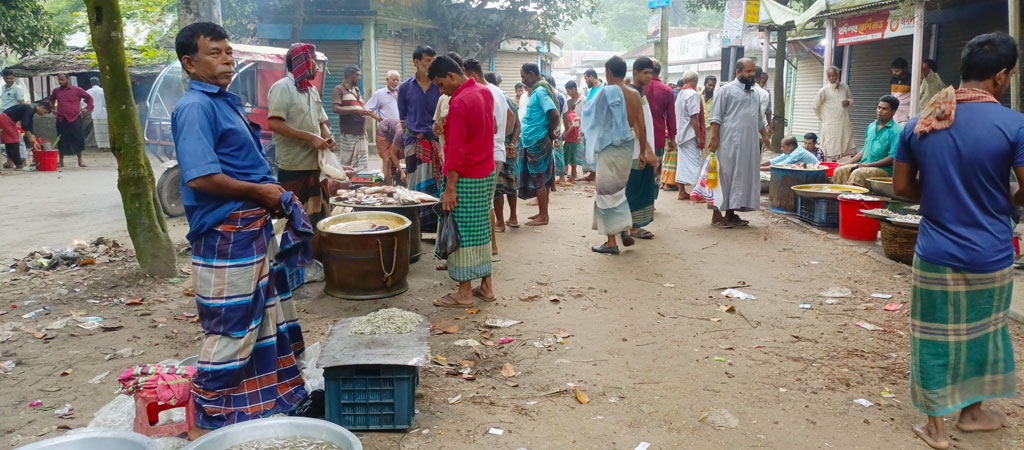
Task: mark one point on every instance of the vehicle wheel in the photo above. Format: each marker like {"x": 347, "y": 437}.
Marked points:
{"x": 168, "y": 190}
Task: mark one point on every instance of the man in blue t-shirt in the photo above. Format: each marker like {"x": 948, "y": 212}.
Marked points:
{"x": 963, "y": 146}
{"x": 792, "y": 154}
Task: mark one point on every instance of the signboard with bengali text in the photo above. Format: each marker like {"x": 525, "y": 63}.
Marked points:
{"x": 659, "y": 3}
{"x": 874, "y": 27}
{"x": 753, "y": 12}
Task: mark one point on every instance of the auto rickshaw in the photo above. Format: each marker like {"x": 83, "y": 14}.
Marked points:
{"x": 256, "y": 69}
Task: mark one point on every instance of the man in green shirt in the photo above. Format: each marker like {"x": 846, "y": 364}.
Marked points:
{"x": 879, "y": 152}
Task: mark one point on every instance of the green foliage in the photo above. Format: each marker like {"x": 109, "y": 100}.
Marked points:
{"x": 719, "y": 5}
{"x": 615, "y": 25}
{"x": 27, "y": 28}
{"x": 239, "y": 17}
{"x": 476, "y": 28}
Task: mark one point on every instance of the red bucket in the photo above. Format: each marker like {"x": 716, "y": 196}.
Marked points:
{"x": 832, "y": 166}
{"x": 856, "y": 226}
{"x": 45, "y": 161}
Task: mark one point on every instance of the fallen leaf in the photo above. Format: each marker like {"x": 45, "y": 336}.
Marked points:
{"x": 554, "y": 299}
{"x": 452, "y": 329}
{"x": 66, "y": 373}
{"x": 507, "y": 370}
{"x": 111, "y": 327}
{"x": 490, "y": 343}
{"x": 511, "y": 384}
{"x": 87, "y": 261}
{"x": 468, "y": 363}
{"x": 190, "y": 292}
{"x": 159, "y": 320}
{"x": 727, "y": 308}
{"x": 40, "y": 335}
{"x": 134, "y": 301}
{"x": 441, "y": 360}
{"x": 473, "y": 311}
{"x": 461, "y": 318}
{"x": 581, "y": 397}
{"x": 161, "y": 299}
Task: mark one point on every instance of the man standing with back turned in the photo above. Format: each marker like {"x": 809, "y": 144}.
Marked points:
{"x": 247, "y": 367}
{"x": 417, "y": 101}
{"x": 736, "y": 118}
{"x": 963, "y": 146}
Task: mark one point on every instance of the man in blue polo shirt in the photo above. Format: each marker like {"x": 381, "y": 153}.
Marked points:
{"x": 247, "y": 367}
{"x": 964, "y": 146}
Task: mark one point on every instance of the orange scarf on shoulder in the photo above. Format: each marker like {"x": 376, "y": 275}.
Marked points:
{"x": 941, "y": 109}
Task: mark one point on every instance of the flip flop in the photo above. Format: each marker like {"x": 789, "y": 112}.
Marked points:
{"x": 449, "y": 301}
{"x": 512, "y": 224}
{"x": 605, "y": 249}
{"x": 627, "y": 240}
{"x": 477, "y": 294}
{"x": 722, "y": 224}
{"x": 642, "y": 234}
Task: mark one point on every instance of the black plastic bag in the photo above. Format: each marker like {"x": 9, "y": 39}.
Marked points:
{"x": 448, "y": 238}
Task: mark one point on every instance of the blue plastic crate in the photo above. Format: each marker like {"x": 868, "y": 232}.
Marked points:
{"x": 371, "y": 397}
{"x": 296, "y": 277}
{"x": 820, "y": 212}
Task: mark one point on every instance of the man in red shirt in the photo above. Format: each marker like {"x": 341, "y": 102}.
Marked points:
{"x": 662, "y": 101}
{"x": 468, "y": 179}
{"x": 68, "y": 98}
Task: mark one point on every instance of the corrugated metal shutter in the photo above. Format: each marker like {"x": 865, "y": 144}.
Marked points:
{"x": 340, "y": 54}
{"x": 809, "y": 72}
{"x": 870, "y": 72}
{"x": 508, "y": 64}
{"x": 389, "y": 57}
{"x": 953, "y": 37}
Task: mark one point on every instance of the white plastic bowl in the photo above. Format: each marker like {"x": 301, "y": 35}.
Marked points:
{"x": 277, "y": 427}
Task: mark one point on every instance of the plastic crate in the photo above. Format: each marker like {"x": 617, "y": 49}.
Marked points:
{"x": 820, "y": 212}
{"x": 296, "y": 277}
{"x": 371, "y": 397}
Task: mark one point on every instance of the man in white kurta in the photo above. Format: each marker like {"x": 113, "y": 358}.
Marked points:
{"x": 689, "y": 119}
{"x": 832, "y": 106}
{"x": 736, "y": 121}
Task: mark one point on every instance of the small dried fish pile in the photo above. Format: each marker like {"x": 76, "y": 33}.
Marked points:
{"x": 386, "y": 321}
{"x": 383, "y": 195}
{"x": 800, "y": 166}
{"x": 905, "y": 218}
{"x": 290, "y": 443}
{"x": 860, "y": 197}
{"x": 878, "y": 212}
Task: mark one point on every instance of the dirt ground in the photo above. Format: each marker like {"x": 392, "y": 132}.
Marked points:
{"x": 650, "y": 346}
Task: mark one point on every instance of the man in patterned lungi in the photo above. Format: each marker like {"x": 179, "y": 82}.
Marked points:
{"x": 247, "y": 364}
{"x": 469, "y": 180}
{"x": 540, "y": 130}
{"x": 505, "y": 184}
{"x": 964, "y": 146}
{"x": 347, "y": 103}
{"x": 417, "y": 101}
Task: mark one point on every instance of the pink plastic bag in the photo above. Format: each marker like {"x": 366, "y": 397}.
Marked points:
{"x": 701, "y": 192}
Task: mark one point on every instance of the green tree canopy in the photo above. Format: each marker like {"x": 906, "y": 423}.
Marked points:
{"x": 27, "y": 28}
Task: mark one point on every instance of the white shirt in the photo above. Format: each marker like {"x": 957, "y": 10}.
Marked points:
{"x": 687, "y": 104}
{"x": 766, "y": 98}
{"x": 10, "y": 96}
{"x": 99, "y": 103}
{"x": 524, "y": 100}
{"x": 501, "y": 118}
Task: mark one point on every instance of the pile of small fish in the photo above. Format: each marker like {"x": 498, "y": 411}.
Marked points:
{"x": 878, "y": 212}
{"x": 295, "y": 443}
{"x": 860, "y": 197}
{"x": 905, "y": 218}
{"x": 386, "y": 321}
{"x": 801, "y": 166}
{"x": 383, "y": 196}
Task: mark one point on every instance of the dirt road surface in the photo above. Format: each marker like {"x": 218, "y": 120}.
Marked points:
{"x": 650, "y": 345}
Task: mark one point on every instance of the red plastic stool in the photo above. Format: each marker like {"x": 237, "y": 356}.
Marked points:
{"x": 147, "y": 414}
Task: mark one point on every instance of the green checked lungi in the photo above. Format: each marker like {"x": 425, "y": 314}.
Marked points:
{"x": 472, "y": 260}
{"x": 960, "y": 348}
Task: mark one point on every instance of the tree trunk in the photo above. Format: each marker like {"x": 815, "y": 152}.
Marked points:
{"x": 192, "y": 11}
{"x": 135, "y": 180}
{"x": 298, "y": 17}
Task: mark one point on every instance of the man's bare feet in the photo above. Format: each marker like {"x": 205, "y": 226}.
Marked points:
{"x": 196, "y": 433}
{"x": 532, "y": 202}
{"x": 499, "y": 228}
{"x": 538, "y": 221}
{"x": 976, "y": 418}
{"x": 683, "y": 195}
{"x": 534, "y": 216}
{"x": 931, "y": 436}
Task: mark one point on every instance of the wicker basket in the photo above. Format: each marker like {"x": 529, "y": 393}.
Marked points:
{"x": 898, "y": 242}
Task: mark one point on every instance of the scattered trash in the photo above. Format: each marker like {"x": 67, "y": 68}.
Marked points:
{"x": 7, "y": 366}
{"x": 496, "y": 322}
{"x": 868, "y": 326}
{"x": 719, "y": 359}
{"x": 887, "y": 394}
{"x": 727, "y": 308}
{"x": 467, "y": 343}
{"x": 508, "y": 371}
{"x": 34, "y": 313}
{"x": 441, "y": 360}
{"x": 562, "y": 333}
{"x": 544, "y": 343}
{"x": 511, "y": 384}
{"x": 89, "y": 325}
{"x": 837, "y": 292}
{"x": 719, "y": 419}
{"x": 669, "y": 285}
{"x": 758, "y": 346}
{"x": 473, "y": 311}
{"x": 832, "y": 301}
{"x": 99, "y": 378}
{"x": 496, "y": 431}
{"x": 35, "y": 403}
{"x": 882, "y": 296}
{"x": 643, "y": 446}
{"x": 733, "y": 293}
{"x": 63, "y": 411}
{"x": 454, "y": 400}
{"x": 893, "y": 306}
{"x": 805, "y": 306}
{"x": 66, "y": 372}
{"x": 126, "y": 352}
{"x": 581, "y": 397}
{"x": 506, "y": 340}
{"x": 554, "y": 299}
{"x": 134, "y": 301}
{"x": 864, "y": 402}
{"x": 715, "y": 319}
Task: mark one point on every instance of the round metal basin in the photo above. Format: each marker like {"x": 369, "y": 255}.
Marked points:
{"x": 91, "y": 440}
{"x": 277, "y": 427}
{"x": 365, "y": 265}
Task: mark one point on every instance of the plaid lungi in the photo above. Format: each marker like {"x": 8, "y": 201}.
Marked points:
{"x": 247, "y": 366}
{"x": 472, "y": 260}
{"x": 570, "y": 149}
{"x": 353, "y": 151}
{"x": 422, "y": 174}
{"x": 960, "y": 348}
{"x": 505, "y": 183}
{"x": 536, "y": 168}
{"x": 641, "y": 192}
{"x": 668, "y": 167}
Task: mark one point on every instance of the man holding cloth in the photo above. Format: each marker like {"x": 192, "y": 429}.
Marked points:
{"x": 247, "y": 364}
{"x": 469, "y": 179}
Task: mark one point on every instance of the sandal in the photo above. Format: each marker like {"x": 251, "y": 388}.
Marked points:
{"x": 512, "y": 224}
{"x": 722, "y": 224}
{"x": 627, "y": 240}
{"x": 642, "y": 234}
{"x": 605, "y": 249}
{"x": 735, "y": 220}
{"x": 477, "y": 294}
{"x": 449, "y": 301}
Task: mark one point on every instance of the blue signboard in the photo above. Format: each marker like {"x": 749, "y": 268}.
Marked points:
{"x": 658, "y": 3}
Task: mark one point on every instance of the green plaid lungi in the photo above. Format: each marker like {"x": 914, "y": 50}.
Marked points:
{"x": 472, "y": 260}
{"x": 960, "y": 348}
